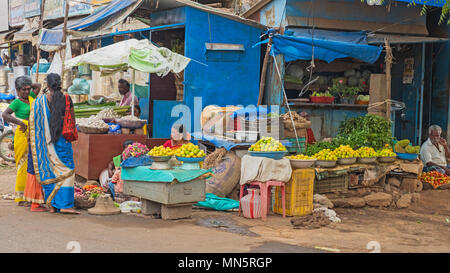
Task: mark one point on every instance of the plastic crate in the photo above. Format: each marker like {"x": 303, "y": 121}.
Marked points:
{"x": 331, "y": 184}
{"x": 295, "y": 148}
{"x": 299, "y": 194}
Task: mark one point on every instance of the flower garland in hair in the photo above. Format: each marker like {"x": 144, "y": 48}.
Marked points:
{"x": 135, "y": 150}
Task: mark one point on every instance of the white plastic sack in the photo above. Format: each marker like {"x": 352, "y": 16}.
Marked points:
{"x": 130, "y": 206}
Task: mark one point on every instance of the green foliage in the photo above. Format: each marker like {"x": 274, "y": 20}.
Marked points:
{"x": 369, "y": 130}
{"x": 444, "y": 13}
{"x": 342, "y": 90}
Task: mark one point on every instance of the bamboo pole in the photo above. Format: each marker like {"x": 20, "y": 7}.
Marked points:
{"x": 262, "y": 84}
{"x": 63, "y": 50}
{"x": 41, "y": 23}
{"x": 388, "y": 61}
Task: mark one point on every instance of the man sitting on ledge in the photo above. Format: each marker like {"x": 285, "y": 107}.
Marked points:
{"x": 434, "y": 152}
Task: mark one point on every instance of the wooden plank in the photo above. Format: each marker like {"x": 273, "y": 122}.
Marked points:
{"x": 153, "y": 191}
{"x": 377, "y": 93}
{"x": 192, "y": 191}
{"x": 167, "y": 193}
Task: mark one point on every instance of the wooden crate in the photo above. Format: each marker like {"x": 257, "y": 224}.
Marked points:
{"x": 167, "y": 193}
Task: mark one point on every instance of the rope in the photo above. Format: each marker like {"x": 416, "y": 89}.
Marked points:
{"x": 397, "y": 104}
{"x": 287, "y": 104}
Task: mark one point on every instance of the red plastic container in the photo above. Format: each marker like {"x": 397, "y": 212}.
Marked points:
{"x": 322, "y": 99}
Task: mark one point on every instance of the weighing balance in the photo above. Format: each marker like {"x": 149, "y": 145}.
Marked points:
{"x": 160, "y": 163}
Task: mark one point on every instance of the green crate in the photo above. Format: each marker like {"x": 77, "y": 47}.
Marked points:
{"x": 331, "y": 184}
{"x": 295, "y": 148}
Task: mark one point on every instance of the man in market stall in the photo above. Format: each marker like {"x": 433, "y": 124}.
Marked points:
{"x": 435, "y": 151}
{"x": 127, "y": 96}
{"x": 310, "y": 134}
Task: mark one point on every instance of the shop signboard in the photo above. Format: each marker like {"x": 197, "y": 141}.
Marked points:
{"x": 4, "y": 15}
{"x": 32, "y": 8}
{"x": 16, "y": 13}
{"x": 55, "y": 9}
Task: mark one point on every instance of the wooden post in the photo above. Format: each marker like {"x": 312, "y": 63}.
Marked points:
{"x": 262, "y": 84}
{"x": 63, "y": 51}
{"x": 388, "y": 61}
{"x": 41, "y": 23}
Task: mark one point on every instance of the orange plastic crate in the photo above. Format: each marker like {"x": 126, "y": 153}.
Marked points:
{"x": 299, "y": 193}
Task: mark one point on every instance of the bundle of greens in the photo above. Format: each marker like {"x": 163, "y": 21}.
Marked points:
{"x": 365, "y": 131}
{"x": 369, "y": 130}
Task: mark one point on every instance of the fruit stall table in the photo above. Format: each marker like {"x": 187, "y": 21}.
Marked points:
{"x": 93, "y": 152}
{"x": 342, "y": 177}
{"x": 168, "y": 193}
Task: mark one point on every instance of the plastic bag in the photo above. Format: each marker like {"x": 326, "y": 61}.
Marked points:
{"x": 218, "y": 203}
{"x": 132, "y": 162}
{"x": 130, "y": 206}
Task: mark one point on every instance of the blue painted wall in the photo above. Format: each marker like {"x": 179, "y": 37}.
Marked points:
{"x": 230, "y": 78}
{"x": 408, "y": 93}
{"x": 441, "y": 86}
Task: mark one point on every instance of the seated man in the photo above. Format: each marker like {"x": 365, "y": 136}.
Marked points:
{"x": 114, "y": 171}
{"x": 434, "y": 152}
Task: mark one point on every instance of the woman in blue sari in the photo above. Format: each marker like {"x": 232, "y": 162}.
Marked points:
{"x": 52, "y": 153}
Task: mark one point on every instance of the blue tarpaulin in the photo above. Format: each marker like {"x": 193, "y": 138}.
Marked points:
{"x": 328, "y": 45}
{"x": 90, "y": 23}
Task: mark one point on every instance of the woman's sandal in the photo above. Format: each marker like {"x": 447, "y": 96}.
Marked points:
{"x": 39, "y": 209}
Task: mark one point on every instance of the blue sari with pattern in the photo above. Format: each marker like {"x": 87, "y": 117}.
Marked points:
{"x": 53, "y": 162}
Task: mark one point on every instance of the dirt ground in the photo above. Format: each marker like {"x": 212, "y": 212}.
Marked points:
{"x": 423, "y": 227}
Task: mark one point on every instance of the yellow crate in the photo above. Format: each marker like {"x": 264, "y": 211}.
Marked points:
{"x": 299, "y": 193}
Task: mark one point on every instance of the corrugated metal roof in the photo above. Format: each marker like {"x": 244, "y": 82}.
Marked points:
{"x": 402, "y": 39}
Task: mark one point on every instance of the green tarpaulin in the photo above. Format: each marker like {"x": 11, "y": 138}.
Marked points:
{"x": 144, "y": 173}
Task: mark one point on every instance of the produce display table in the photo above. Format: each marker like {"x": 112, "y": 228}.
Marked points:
{"x": 93, "y": 152}
{"x": 169, "y": 193}
{"x": 371, "y": 173}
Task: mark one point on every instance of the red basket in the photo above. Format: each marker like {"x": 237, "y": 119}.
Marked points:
{"x": 322, "y": 99}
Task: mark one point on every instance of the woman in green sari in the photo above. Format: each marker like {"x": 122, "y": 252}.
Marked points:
{"x": 20, "y": 107}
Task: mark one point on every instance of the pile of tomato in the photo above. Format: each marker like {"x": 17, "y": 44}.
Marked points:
{"x": 435, "y": 178}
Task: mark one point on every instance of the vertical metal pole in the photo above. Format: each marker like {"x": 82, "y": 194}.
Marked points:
{"x": 422, "y": 85}
{"x": 134, "y": 86}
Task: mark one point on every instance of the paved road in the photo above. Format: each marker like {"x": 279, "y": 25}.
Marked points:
{"x": 24, "y": 231}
